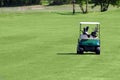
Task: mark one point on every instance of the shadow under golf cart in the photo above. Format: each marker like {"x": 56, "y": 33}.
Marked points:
{"x": 76, "y": 54}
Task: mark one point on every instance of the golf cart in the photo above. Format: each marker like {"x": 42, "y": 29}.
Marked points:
{"x": 89, "y": 39}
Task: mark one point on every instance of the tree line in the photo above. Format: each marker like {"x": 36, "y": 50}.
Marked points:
{"x": 104, "y": 4}
{"x": 83, "y": 4}
{"x": 18, "y": 2}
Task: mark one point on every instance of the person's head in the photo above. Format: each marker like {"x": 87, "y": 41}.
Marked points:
{"x": 94, "y": 34}
{"x": 85, "y": 30}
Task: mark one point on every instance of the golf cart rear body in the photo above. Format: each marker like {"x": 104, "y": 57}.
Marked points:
{"x": 88, "y": 44}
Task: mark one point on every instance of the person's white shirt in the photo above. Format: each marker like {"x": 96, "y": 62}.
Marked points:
{"x": 83, "y": 36}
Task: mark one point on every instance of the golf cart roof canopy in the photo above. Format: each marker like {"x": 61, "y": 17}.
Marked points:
{"x": 89, "y": 23}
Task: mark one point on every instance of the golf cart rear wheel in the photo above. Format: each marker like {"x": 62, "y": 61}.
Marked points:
{"x": 98, "y": 50}
{"x": 78, "y": 52}
{"x": 81, "y": 50}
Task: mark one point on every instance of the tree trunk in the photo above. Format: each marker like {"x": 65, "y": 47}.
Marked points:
{"x": 86, "y": 11}
{"x": 73, "y": 6}
{"x": 104, "y": 6}
{"x": 81, "y": 7}
{"x": 0, "y": 3}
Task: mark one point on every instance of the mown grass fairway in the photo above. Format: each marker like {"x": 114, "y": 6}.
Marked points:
{"x": 42, "y": 46}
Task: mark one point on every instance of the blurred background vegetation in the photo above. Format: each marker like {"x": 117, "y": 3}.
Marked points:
{"x": 83, "y": 4}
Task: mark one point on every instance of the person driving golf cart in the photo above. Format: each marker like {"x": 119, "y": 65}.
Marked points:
{"x": 86, "y": 35}
{"x": 94, "y": 33}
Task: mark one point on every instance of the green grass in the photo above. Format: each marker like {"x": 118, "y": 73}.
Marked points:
{"x": 42, "y": 46}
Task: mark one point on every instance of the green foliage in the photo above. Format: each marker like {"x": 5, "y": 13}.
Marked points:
{"x": 105, "y": 4}
{"x": 44, "y": 2}
{"x": 80, "y": 2}
{"x": 115, "y": 2}
{"x": 59, "y": 2}
{"x": 18, "y": 2}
